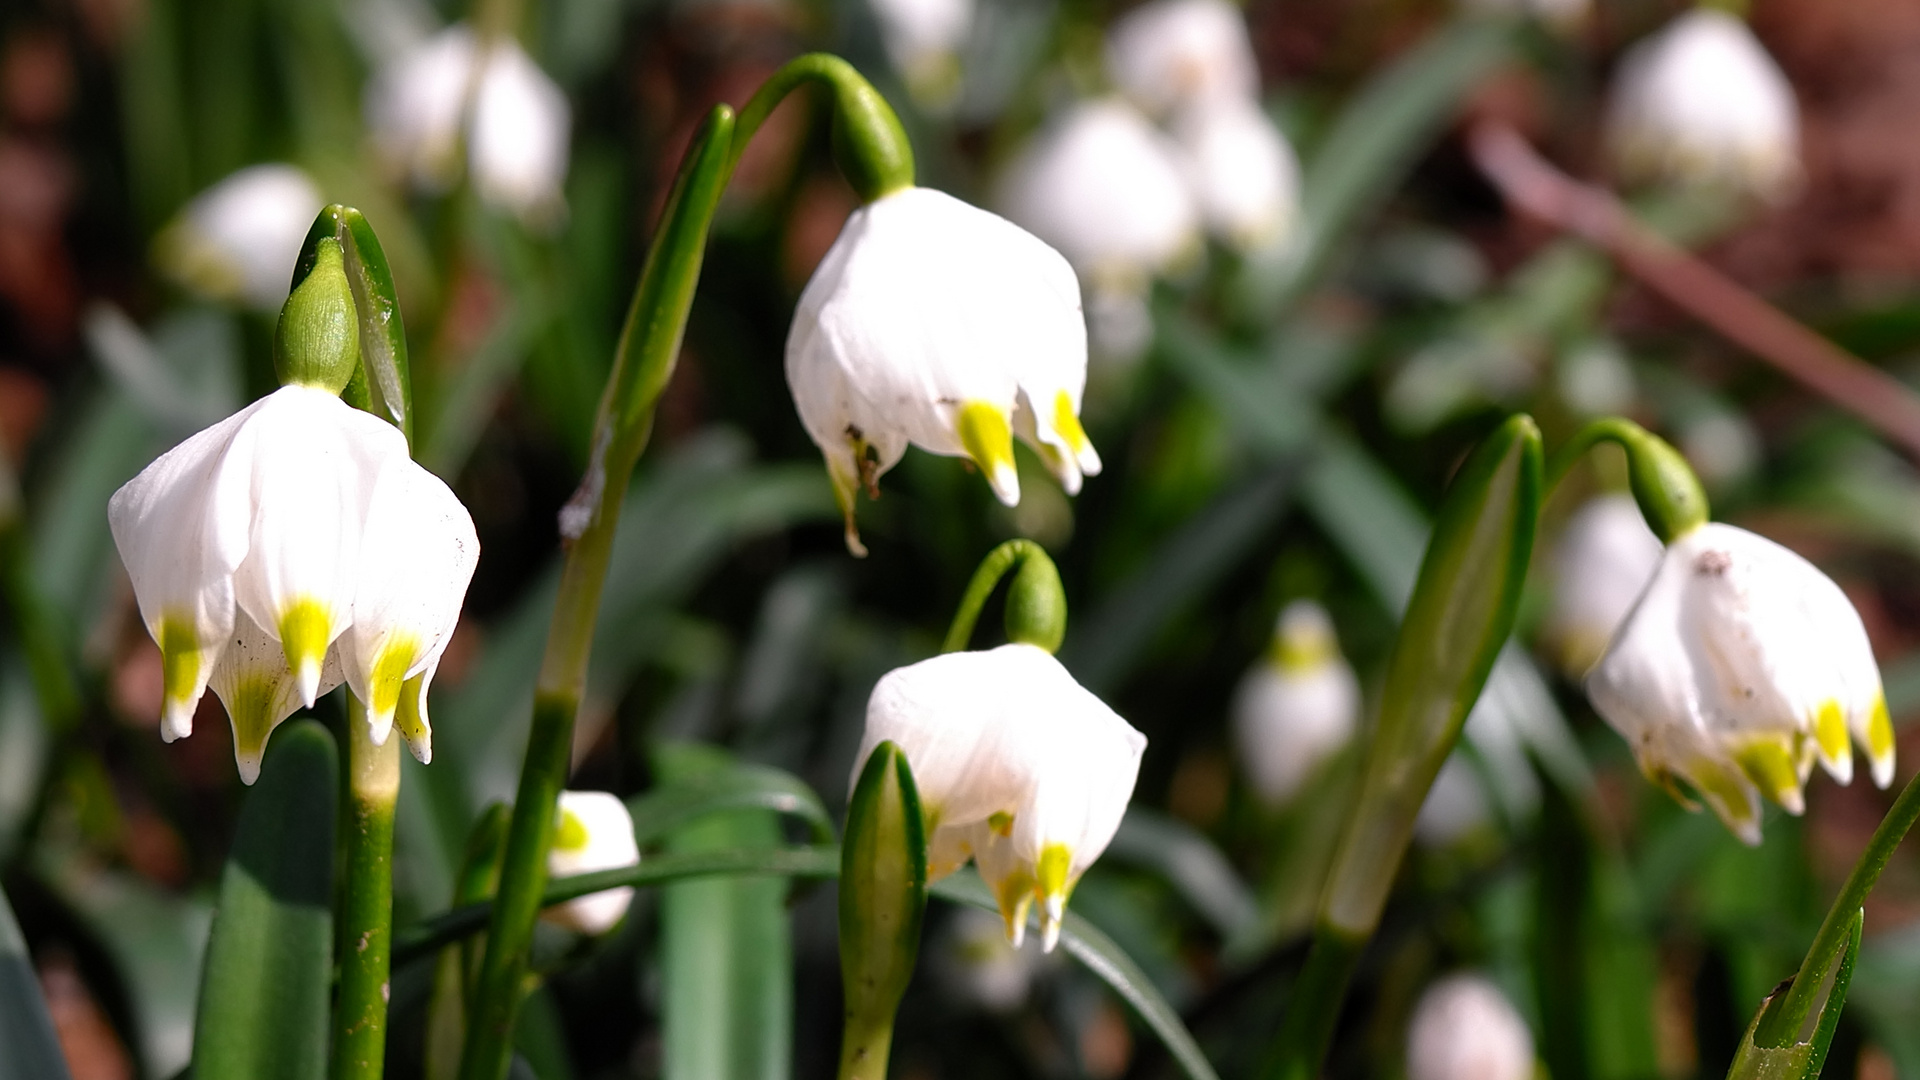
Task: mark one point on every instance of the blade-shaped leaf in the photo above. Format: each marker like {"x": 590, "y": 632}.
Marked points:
{"x": 694, "y": 795}
{"x": 28, "y": 1045}
{"x": 1800, "y": 1060}
{"x": 263, "y": 997}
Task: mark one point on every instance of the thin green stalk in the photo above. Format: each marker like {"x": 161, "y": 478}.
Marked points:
{"x": 1669, "y": 494}
{"x": 1036, "y": 604}
{"x": 1313, "y": 1008}
{"x": 366, "y": 910}
{"x": 1784, "y": 1023}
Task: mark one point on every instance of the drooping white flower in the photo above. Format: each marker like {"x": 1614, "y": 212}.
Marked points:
{"x": 1739, "y": 667}
{"x": 923, "y": 39}
{"x": 978, "y": 966}
{"x": 1167, "y": 54}
{"x": 935, "y": 323}
{"x": 1244, "y": 174}
{"x": 513, "y": 120}
{"x": 1464, "y": 1028}
{"x": 1701, "y": 101}
{"x": 256, "y": 544}
{"x": 1017, "y": 766}
{"x": 1604, "y": 559}
{"x": 1108, "y": 190}
{"x": 237, "y": 241}
{"x": 592, "y": 830}
{"x": 1298, "y": 706}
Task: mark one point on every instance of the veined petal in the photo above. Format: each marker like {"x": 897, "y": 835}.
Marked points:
{"x": 259, "y": 692}
{"x": 417, "y": 556}
{"x": 182, "y": 527}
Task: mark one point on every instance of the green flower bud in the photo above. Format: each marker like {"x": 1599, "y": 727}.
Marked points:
{"x": 317, "y": 342}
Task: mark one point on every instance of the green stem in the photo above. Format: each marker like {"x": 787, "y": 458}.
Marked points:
{"x": 1784, "y": 1024}
{"x": 1664, "y": 485}
{"x": 865, "y": 1046}
{"x": 366, "y": 911}
{"x": 869, "y": 145}
{"x": 1313, "y": 1009}
{"x": 1036, "y": 604}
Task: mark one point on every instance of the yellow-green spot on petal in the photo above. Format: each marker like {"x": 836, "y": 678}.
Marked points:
{"x": 1721, "y": 787}
{"x": 1302, "y": 652}
{"x": 390, "y": 672}
{"x": 1067, "y": 423}
{"x": 569, "y": 832}
{"x": 251, "y": 702}
{"x": 1056, "y": 862}
{"x": 411, "y": 718}
{"x": 1770, "y": 766}
{"x": 1001, "y": 823}
{"x": 1879, "y": 729}
{"x": 305, "y": 627}
{"x": 1830, "y": 729}
{"x": 987, "y": 436}
{"x": 181, "y": 657}
{"x": 1015, "y": 894}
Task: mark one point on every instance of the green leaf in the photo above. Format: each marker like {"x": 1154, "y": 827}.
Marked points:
{"x": 694, "y": 794}
{"x": 1189, "y": 862}
{"x": 28, "y": 1045}
{"x": 883, "y": 899}
{"x": 263, "y": 996}
{"x": 1800, "y": 1059}
{"x": 726, "y": 954}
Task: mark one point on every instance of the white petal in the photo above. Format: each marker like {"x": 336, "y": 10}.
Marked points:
{"x": 1603, "y": 561}
{"x": 1169, "y": 53}
{"x": 417, "y": 556}
{"x": 521, "y": 123}
{"x": 413, "y": 105}
{"x": 239, "y": 239}
{"x": 1243, "y": 171}
{"x": 259, "y": 692}
{"x": 592, "y": 831}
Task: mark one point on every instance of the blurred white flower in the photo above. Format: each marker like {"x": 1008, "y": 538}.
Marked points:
{"x": 923, "y": 39}
{"x": 1604, "y": 559}
{"x": 1464, "y": 1028}
{"x": 934, "y": 322}
{"x": 1297, "y": 707}
{"x": 1243, "y": 171}
{"x": 255, "y": 546}
{"x": 592, "y": 830}
{"x": 978, "y": 966}
{"x": 1107, "y": 189}
{"x": 1701, "y": 101}
{"x": 1739, "y": 667}
{"x": 1168, "y": 54}
{"x": 1018, "y": 767}
{"x": 237, "y": 241}
{"x": 1455, "y": 806}
{"x": 514, "y": 120}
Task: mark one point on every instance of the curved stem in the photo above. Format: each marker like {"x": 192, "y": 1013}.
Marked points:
{"x": 366, "y": 910}
{"x": 870, "y": 147}
{"x": 1784, "y": 1024}
{"x": 1669, "y": 494}
{"x": 1025, "y": 554}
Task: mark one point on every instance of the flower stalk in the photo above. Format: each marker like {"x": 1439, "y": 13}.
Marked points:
{"x": 366, "y": 914}
{"x": 874, "y": 154}
{"x": 1036, "y": 602}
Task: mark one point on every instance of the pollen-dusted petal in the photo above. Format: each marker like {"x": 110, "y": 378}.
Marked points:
{"x": 253, "y": 682}
{"x": 988, "y": 438}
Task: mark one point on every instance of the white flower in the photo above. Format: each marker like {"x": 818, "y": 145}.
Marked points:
{"x": 1244, "y": 173}
{"x": 923, "y": 39}
{"x": 1455, "y": 806}
{"x": 1017, "y": 766}
{"x": 1297, "y": 707}
{"x": 254, "y": 547}
{"x": 592, "y": 830}
{"x": 1604, "y": 559}
{"x": 1103, "y": 186}
{"x": 1464, "y": 1028}
{"x": 1739, "y": 667}
{"x": 933, "y": 322}
{"x": 1701, "y": 101}
{"x": 513, "y": 119}
{"x": 978, "y": 966}
{"x": 239, "y": 239}
{"x": 1170, "y": 53}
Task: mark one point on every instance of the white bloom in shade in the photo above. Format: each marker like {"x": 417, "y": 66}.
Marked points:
{"x": 592, "y": 830}
{"x": 254, "y": 546}
{"x": 1297, "y": 707}
{"x": 238, "y": 240}
{"x": 1103, "y": 186}
{"x": 1604, "y": 559}
{"x": 1739, "y": 667}
{"x": 1464, "y": 1028}
{"x": 1170, "y": 53}
{"x": 978, "y": 966}
{"x": 923, "y": 39}
{"x": 935, "y": 323}
{"x": 1017, "y": 765}
{"x": 1701, "y": 101}
{"x": 1243, "y": 171}
{"x": 513, "y": 119}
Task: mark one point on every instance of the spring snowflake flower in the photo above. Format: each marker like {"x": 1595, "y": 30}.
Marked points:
{"x": 935, "y": 323}
{"x": 1739, "y": 667}
{"x": 237, "y": 240}
{"x": 592, "y": 831}
{"x": 1018, "y": 767}
{"x": 1604, "y": 559}
{"x": 1464, "y": 1028}
{"x": 1243, "y": 171}
{"x": 447, "y": 93}
{"x": 1701, "y": 101}
{"x": 1168, "y": 54}
{"x": 1297, "y": 707}
{"x": 289, "y": 548}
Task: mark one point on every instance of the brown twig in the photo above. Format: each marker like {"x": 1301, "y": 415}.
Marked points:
{"x": 1533, "y": 185}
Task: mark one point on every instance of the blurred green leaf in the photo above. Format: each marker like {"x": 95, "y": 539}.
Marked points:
{"x": 726, "y": 957}
{"x": 1190, "y": 862}
{"x": 687, "y": 794}
{"x": 263, "y": 997}
{"x": 28, "y": 1045}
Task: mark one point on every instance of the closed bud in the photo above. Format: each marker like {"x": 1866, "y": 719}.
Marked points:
{"x": 317, "y": 342}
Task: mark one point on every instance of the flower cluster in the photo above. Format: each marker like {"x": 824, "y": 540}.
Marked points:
{"x": 1739, "y": 667}
{"x": 288, "y": 548}
{"x": 1297, "y": 707}
{"x": 1018, "y": 766}
{"x": 933, "y": 322}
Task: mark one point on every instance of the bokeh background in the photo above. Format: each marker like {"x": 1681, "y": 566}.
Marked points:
{"x": 1282, "y": 433}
